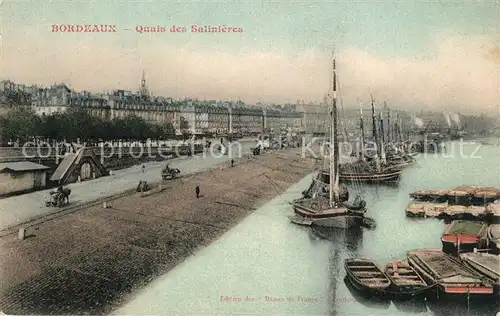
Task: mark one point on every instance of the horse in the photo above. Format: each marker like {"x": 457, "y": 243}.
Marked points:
{"x": 66, "y": 193}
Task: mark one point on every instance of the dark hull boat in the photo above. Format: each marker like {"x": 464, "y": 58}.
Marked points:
{"x": 325, "y": 200}
{"x": 464, "y": 236}
{"x": 375, "y": 177}
{"x": 454, "y": 279}
{"x": 344, "y": 221}
{"x": 368, "y": 172}
{"x": 406, "y": 283}
{"x": 366, "y": 276}
{"x": 494, "y": 238}
{"x": 485, "y": 264}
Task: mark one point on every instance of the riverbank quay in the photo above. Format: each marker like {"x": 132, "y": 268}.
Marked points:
{"x": 88, "y": 261}
{"x": 16, "y": 210}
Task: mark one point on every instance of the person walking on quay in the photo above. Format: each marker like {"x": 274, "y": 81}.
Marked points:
{"x": 143, "y": 167}
{"x": 232, "y": 162}
{"x": 197, "y": 190}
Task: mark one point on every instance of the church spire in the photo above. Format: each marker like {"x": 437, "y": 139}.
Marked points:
{"x": 144, "y": 88}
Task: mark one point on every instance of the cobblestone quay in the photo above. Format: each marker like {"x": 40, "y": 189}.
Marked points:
{"x": 90, "y": 261}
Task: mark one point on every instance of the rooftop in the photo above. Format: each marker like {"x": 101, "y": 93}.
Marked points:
{"x": 21, "y": 166}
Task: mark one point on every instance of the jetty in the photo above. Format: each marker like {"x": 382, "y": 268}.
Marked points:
{"x": 464, "y": 195}
{"x": 449, "y": 211}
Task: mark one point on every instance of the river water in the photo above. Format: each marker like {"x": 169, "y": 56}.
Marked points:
{"x": 267, "y": 266}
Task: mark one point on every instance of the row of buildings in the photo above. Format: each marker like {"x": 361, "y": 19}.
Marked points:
{"x": 202, "y": 117}
{"x": 211, "y": 116}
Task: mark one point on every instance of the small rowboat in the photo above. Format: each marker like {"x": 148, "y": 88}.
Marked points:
{"x": 406, "y": 283}
{"x": 366, "y": 276}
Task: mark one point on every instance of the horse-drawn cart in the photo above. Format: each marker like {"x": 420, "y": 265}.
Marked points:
{"x": 169, "y": 174}
{"x": 58, "y": 198}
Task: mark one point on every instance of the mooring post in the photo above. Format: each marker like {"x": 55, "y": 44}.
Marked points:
{"x": 22, "y": 233}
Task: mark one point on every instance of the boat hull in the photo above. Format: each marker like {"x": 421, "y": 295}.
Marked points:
{"x": 342, "y": 221}
{"x": 370, "y": 178}
{"x": 310, "y": 213}
{"x": 406, "y": 283}
{"x": 375, "y": 290}
{"x": 448, "y": 289}
{"x": 458, "y": 243}
{"x": 485, "y": 264}
{"x": 494, "y": 238}
{"x": 464, "y": 236}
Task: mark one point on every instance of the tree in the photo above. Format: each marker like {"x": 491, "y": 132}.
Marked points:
{"x": 83, "y": 124}
{"x": 169, "y": 130}
{"x": 19, "y": 123}
{"x": 184, "y": 125}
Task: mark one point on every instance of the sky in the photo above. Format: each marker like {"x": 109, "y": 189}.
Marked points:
{"x": 432, "y": 55}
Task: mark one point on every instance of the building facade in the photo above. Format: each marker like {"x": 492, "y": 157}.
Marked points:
{"x": 315, "y": 117}
{"x": 202, "y": 117}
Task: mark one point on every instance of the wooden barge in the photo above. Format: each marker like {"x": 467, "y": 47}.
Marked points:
{"x": 494, "y": 238}
{"x": 485, "y": 264}
{"x": 464, "y": 195}
{"x": 490, "y": 212}
{"x": 406, "y": 283}
{"x": 454, "y": 279}
{"x": 375, "y": 177}
{"x": 317, "y": 210}
{"x": 366, "y": 276}
{"x": 464, "y": 236}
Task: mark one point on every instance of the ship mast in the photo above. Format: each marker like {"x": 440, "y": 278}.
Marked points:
{"x": 382, "y": 142}
{"x": 374, "y": 127}
{"x": 334, "y": 141}
{"x": 382, "y": 132}
{"x": 362, "y": 127}
{"x": 389, "y": 127}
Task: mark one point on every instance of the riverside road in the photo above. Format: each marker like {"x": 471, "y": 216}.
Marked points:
{"x": 18, "y": 209}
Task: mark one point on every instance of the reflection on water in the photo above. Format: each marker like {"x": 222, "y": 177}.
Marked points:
{"x": 303, "y": 270}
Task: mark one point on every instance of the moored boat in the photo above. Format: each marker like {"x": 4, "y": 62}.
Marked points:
{"x": 347, "y": 221}
{"x": 464, "y": 236}
{"x": 375, "y": 177}
{"x": 485, "y": 264}
{"x": 366, "y": 276}
{"x": 454, "y": 279}
{"x": 494, "y": 238}
{"x": 493, "y": 212}
{"x": 485, "y": 195}
{"x": 406, "y": 283}
{"x": 464, "y": 195}
{"x": 325, "y": 198}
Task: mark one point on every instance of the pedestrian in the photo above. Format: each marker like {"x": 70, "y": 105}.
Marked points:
{"x": 143, "y": 167}
{"x": 197, "y": 190}
{"x": 232, "y": 162}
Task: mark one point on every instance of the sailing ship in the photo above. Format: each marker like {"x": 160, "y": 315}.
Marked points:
{"x": 324, "y": 199}
{"x": 387, "y": 163}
